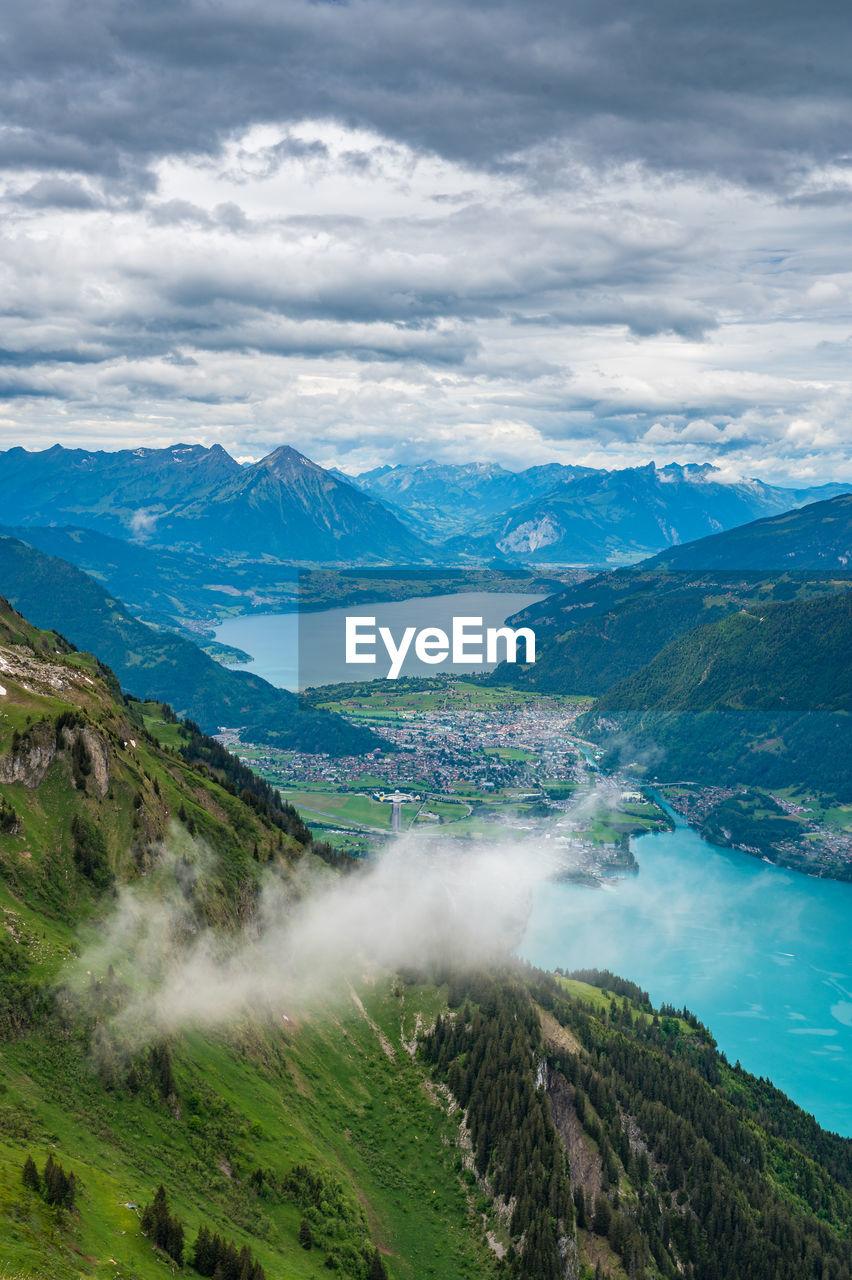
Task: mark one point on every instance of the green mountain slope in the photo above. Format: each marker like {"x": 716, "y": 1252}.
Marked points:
{"x": 417, "y": 1124}
{"x": 594, "y": 634}
{"x": 163, "y": 666}
{"x": 251, "y": 1131}
{"x": 763, "y": 696}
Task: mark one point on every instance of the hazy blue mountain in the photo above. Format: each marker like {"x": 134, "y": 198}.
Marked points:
{"x": 564, "y": 514}
{"x": 283, "y": 507}
{"x": 818, "y": 536}
{"x": 448, "y": 498}
{"x": 162, "y": 587}
{"x": 120, "y": 493}
{"x": 286, "y": 508}
{"x": 611, "y": 517}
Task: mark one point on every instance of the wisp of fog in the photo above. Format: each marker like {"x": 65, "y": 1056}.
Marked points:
{"x": 421, "y": 904}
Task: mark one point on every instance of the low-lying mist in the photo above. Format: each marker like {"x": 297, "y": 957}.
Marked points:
{"x": 422, "y": 905}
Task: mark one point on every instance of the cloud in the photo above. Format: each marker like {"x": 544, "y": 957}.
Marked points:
{"x": 719, "y": 89}
{"x": 59, "y": 193}
{"x": 418, "y": 906}
{"x": 143, "y": 523}
{"x": 513, "y": 229}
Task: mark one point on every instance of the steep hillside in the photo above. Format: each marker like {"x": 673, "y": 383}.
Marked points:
{"x": 818, "y": 536}
{"x": 89, "y": 795}
{"x": 251, "y": 1131}
{"x": 597, "y": 632}
{"x": 762, "y": 696}
{"x": 624, "y": 1145}
{"x": 160, "y": 665}
{"x": 600, "y": 631}
{"x": 418, "y": 1123}
{"x": 161, "y": 587}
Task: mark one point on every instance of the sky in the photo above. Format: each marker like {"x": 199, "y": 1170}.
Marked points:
{"x": 385, "y": 231}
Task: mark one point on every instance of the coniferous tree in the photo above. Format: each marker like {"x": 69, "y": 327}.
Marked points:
{"x": 30, "y": 1176}
{"x": 377, "y": 1267}
{"x": 60, "y": 1188}
{"x": 603, "y": 1216}
{"x": 203, "y": 1255}
{"x": 163, "y": 1229}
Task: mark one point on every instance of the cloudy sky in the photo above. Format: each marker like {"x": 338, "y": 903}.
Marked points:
{"x": 380, "y": 230}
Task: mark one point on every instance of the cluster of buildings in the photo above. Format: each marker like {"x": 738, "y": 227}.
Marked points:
{"x": 459, "y": 746}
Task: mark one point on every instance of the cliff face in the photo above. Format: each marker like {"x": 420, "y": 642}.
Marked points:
{"x": 29, "y": 760}
{"x": 35, "y": 750}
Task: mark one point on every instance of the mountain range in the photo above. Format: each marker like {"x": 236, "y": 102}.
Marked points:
{"x": 285, "y": 509}
{"x": 574, "y": 515}
{"x": 441, "y": 499}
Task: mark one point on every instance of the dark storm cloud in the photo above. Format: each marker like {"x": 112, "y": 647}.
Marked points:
{"x": 746, "y": 90}
{"x": 59, "y": 193}
{"x": 464, "y": 228}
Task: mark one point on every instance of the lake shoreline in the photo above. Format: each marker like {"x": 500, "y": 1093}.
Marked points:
{"x": 761, "y": 956}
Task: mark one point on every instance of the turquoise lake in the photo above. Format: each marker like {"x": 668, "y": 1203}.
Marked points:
{"x": 761, "y": 955}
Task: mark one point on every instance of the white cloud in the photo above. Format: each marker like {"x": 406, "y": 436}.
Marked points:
{"x": 346, "y": 291}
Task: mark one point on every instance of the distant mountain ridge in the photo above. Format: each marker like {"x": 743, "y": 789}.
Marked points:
{"x": 448, "y": 498}
{"x": 612, "y": 517}
{"x": 572, "y": 514}
{"x": 287, "y": 509}
{"x": 188, "y": 497}
{"x": 817, "y": 536}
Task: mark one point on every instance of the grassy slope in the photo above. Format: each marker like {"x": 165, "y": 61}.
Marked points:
{"x": 322, "y": 1092}
{"x": 761, "y": 658}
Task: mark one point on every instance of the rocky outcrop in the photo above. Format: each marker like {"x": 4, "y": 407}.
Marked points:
{"x": 31, "y": 756}
{"x": 96, "y": 751}
{"x": 584, "y": 1162}
{"x": 34, "y": 752}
